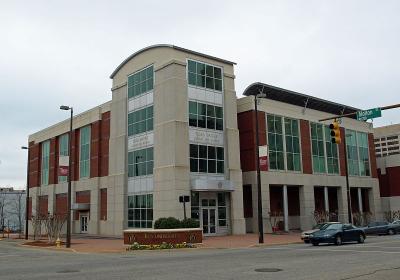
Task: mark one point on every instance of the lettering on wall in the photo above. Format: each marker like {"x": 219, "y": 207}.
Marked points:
{"x": 200, "y": 136}
{"x": 140, "y": 141}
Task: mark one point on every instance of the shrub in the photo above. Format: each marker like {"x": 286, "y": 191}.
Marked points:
{"x": 167, "y": 223}
{"x": 171, "y": 223}
{"x": 190, "y": 223}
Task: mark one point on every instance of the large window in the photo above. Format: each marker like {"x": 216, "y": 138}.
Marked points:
{"x": 45, "y": 162}
{"x": 195, "y": 204}
{"x": 140, "y": 162}
{"x": 204, "y": 75}
{"x": 318, "y": 152}
{"x": 63, "y": 151}
{"x": 275, "y": 142}
{"x": 222, "y": 215}
{"x": 205, "y": 116}
{"x": 292, "y": 144}
{"x": 140, "y": 82}
{"x": 140, "y": 211}
{"x": 84, "y": 152}
{"x": 206, "y": 159}
{"x": 332, "y": 157}
{"x": 363, "y": 154}
{"x": 352, "y": 153}
{"x": 140, "y": 121}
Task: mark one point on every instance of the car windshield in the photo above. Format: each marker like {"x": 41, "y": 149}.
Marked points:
{"x": 319, "y": 226}
{"x": 332, "y": 227}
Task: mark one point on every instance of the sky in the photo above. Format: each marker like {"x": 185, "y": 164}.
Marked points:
{"x": 56, "y": 53}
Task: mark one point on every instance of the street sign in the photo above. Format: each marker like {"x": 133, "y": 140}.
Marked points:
{"x": 369, "y": 114}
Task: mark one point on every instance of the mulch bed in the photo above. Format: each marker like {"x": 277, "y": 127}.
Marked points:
{"x": 39, "y": 243}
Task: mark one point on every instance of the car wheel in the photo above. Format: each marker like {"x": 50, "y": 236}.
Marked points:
{"x": 390, "y": 232}
{"x": 338, "y": 240}
{"x": 315, "y": 243}
{"x": 361, "y": 239}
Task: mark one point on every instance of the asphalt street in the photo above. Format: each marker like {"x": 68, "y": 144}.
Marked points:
{"x": 378, "y": 258}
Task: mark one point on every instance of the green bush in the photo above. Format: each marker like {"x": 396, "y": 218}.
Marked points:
{"x": 167, "y": 223}
{"x": 190, "y": 223}
{"x": 171, "y": 223}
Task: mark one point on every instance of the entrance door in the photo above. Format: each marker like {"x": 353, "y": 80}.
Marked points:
{"x": 84, "y": 223}
{"x": 209, "y": 220}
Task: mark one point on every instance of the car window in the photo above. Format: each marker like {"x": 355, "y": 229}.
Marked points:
{"x": 319, "y": 226}
{"x": 347, "y": 227}
{"x": 373, "y": 224}
{"x": 333, "y": 227}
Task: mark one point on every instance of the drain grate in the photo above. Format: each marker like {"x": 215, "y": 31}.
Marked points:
{"x": 68, "y": 271}
{"x": 267, "y": 269}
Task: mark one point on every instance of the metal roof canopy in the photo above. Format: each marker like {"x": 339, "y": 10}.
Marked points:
{"x": 299, "y": 99}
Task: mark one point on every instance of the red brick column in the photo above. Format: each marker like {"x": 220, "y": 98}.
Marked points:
{"x": 95, "y": 149}
{"x": 104, "y": 143}
{"x": 34, "y": 165}
{"x": 52, "y": 162}
{"x": 306, "y": 146}
{"x": 247, "y": 136}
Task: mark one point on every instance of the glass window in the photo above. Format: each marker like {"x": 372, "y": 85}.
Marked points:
{"x": 45, "y": 162}
{"x": 363, "y": 153}
{"x": 140, "y": 121}
{"x": 332, "y": 157}
{"x": 140, "y": 162}
{"x": 275, "y": 142}
{"x": 318, "y": 152}
{"x": 205, "y": 116}
{"x": 140, "y": 82}
{"x": 84, "y": 152}
{"x": 222, "y": 215}
{"x": 204, "y": 75}
{"x": 206, "y": 159}
{"x": 352, "y": 153}
{"x": 140, "y": 211}
{"x": 293, "y": 158}
{"x": 63, "y": 151}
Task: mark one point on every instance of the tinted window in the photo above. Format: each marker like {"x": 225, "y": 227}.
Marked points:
{"x": 333, "y": 227}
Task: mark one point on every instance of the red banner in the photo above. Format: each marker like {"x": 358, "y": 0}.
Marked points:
{"x": 264, "y": 163}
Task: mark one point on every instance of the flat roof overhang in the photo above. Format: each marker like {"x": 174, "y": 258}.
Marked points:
{"x": 299, "y": 99}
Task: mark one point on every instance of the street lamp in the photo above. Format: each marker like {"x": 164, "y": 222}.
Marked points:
{"x": 259, "y": 200}
{"x": 68, "y": 241}
{"x": 27, "y": 194}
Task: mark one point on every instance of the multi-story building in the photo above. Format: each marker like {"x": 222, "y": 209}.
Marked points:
{"x": 12, "y": 209}
{"x": 387, "y": 149}
{"x": 169, "y": 130}
{"x": 305, "y": 170}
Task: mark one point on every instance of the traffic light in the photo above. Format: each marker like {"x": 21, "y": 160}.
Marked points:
{"x": 335, "y": 132}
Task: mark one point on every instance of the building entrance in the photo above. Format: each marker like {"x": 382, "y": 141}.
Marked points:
{"x": 84, "y": 223}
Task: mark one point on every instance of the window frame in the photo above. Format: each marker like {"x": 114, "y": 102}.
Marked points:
{"x": 87, "y": 160}
{"x": 137, "y": 73}
{"x": 188, "y": 76}
{"x": 135, "y": 199}
{"x": 45, "y": 163}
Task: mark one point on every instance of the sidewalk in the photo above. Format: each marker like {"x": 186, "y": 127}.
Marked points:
{"x": 97, "y": 244}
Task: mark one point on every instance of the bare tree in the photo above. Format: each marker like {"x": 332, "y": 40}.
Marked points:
{"x": 3, "y": 210}
{"x": 18, "y": 209}
{"x": 53, "y": 225}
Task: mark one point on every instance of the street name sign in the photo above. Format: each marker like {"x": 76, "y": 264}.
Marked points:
{"x": 369, "y": 114}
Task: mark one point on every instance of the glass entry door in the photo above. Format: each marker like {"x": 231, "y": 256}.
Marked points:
{"x": 84, "y": 223}
{"x": 209, "y": 220}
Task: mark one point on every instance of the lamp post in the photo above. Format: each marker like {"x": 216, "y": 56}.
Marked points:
{"x": 68, "y": 239}
{"x": 27, "y": 194}
{"x": 259, "y": 199}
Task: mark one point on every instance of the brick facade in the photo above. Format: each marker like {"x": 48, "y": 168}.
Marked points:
{"x": 43, "y": 205}
{"x": 103, "y": 204}
{"x": 306, "y": 146}
{"x": 247, "y": 128}
{"x": 390, "y": 182}
{"x": 61, "y": 204}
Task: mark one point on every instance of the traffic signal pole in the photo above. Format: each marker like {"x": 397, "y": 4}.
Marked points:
{"x": 350, "y": 214}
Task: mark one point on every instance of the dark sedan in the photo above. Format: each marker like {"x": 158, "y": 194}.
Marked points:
{"x": 380, "y": 228}
{"x": 337, "y": 234}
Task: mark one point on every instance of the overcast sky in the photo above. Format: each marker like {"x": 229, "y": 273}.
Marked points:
{"x": 62, "y": 52}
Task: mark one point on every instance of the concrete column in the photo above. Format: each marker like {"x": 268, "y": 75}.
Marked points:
{"x": 326, "y": 199}
{"x": 360, "y": 205}
{"x": 93, "y": 224}
{"x": 285, "y": 208}
{"x": 306, "y": 207}
{"x": 342, "y": 201}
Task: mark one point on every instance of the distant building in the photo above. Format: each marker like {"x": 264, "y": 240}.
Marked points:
{"x": 12, "y": 209}
{"x": 387, "y": 149}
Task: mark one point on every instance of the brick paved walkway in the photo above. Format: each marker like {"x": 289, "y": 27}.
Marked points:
{"x": 96, "y": 244}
